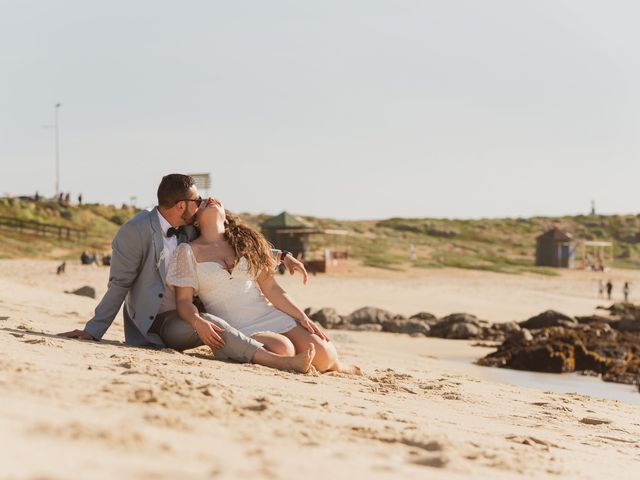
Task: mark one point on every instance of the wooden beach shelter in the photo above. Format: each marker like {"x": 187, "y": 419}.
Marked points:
{"x": 595, "y": 255}
{"x": 555, "y": 248}
{"x": 315, "y": 247}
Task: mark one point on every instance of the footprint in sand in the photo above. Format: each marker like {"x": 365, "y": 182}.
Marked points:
{"x": 261, "y": 405}
{"x": 391, "y": 381}
{"x": 595, "y": 421}
{"x": 532, "y": 442}
{"x": 435, "y": 461}
{"x": 126, "y": 364}
{"x": 41, "y": 341}
{"x": 143, "y": 395}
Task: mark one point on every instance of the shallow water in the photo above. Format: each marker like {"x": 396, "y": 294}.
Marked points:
{"x": 559, "y": 382}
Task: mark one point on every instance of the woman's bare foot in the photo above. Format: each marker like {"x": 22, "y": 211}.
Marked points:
{"x": 302, "y": 361}
{"x": 351, "y": 370}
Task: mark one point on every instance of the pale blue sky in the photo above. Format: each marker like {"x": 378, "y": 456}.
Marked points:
{"x": 348, "y": 109}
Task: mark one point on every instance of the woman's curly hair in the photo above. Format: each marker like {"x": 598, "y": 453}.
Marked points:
{"x": 249, "y": 243}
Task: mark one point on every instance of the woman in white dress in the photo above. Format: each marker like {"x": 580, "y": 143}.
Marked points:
{"x": 230, "y": 266}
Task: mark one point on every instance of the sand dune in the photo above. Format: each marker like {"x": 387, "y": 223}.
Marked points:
{"x": 73, "y": 409}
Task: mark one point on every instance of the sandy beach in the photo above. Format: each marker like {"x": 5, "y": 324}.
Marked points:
{"x": 87, "y": 410}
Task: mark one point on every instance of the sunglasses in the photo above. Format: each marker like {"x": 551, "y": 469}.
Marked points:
{"x": 198, "y": 201}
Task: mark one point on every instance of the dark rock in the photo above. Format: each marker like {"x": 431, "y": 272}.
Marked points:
{"x": 550, "y": 318}
{"x": 594, "y": 347}
{"x": 588, "y": 319}
{"x": 369, "y": 315}
{"x": 459, "y": 317}
{"x": 426, "y": 317}
{"x": 507, "y": 327}
{"x": 464, "y": 331}
{"x": 521, "y": 336}
{"x": 623, "y": 309}
{"x": 458, "y": 326}
{"x": 410, "y": 326}
{"x": 326, "y": 317}
{"x": 629, "y": 324}
{"x": 363, "y": 327}
{"x": 85, "y": 291}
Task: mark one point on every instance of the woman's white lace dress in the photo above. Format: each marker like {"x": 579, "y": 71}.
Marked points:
{"x": 234, "y": 297}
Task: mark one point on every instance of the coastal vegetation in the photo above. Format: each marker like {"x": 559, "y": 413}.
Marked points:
{"x": 504, "y": 245}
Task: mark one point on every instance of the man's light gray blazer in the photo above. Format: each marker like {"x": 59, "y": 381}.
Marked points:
{"x": 136, "y": 278}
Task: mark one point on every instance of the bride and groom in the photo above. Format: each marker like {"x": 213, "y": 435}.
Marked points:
{"x": 188, "y": 248}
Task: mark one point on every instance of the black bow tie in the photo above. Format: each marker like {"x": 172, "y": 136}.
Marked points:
{"x": 174, "y": 231}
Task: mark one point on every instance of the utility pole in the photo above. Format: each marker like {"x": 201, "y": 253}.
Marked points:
{"x": 57, "y": 133}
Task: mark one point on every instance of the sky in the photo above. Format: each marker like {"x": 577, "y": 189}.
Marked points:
{"x": 351, "y": 109}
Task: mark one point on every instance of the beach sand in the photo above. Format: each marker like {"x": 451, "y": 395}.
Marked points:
{"x": 85, "y": 410}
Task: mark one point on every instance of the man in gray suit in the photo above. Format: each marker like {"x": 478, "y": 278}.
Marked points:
{"x": 142, "y": 249}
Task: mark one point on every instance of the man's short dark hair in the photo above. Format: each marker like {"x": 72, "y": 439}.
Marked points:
{"x": 173, "y": 188}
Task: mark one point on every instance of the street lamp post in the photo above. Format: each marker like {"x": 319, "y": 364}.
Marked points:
{"x": 57, "y": 133}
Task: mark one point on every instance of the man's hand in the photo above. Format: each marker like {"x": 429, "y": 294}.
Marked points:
{"x": 209, "y": 333}
{"x": 294, "y": 265}
{"x": 312, "y": 328}
{"x": 81, "y": 334}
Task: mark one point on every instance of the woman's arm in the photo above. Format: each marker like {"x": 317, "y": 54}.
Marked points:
{"x": 283, "y": 302}
{"x": 207, "y": 331}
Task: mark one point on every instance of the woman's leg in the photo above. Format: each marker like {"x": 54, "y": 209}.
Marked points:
{"x": 300, "y": 362}
{"x": 276, "y": 343}
{"x": 326, "y": 358}
{"x": 179, "y": 335}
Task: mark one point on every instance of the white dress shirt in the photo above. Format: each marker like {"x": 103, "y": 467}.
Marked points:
{"x": 169, "y": 247}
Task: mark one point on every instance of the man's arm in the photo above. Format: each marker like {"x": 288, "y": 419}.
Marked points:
{"x": 126, "y": 260}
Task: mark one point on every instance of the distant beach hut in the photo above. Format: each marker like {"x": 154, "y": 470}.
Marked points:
{"x": 555, "y": 248}
{"x": 313, "y": 246}
{"x": 558, "y": 248}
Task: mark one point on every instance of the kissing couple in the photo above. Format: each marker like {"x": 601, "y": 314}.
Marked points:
{"x": 191, "y": 273}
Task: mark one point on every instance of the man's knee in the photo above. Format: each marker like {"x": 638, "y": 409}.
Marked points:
{"x": 215, "y": 320}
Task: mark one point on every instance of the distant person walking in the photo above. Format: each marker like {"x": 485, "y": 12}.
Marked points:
{"x": 609, "y": 289}
{"x": 412, "y": 253}
{"x": 80, "y": 199}
{"x": 600, "y": 289}
{"x": 626, "y": 290}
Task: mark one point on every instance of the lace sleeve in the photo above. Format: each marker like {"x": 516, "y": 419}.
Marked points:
{"x": 182, "y": 270}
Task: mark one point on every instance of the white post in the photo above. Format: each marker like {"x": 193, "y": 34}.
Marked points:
{"x": 57, "y": 133}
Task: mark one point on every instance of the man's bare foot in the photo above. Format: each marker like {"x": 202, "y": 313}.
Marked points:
{"x": 302, "y": 361}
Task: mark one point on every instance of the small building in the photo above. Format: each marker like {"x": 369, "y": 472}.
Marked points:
{"x": 555, "y": 248}
{"x": 285, "y": 232}
{"x": 313, "y": 246}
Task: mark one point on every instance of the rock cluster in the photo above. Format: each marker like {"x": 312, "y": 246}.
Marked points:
{"x": 548, "y": 342}
{"x": 455, "y": 326}
{"x": 554, "y": 342}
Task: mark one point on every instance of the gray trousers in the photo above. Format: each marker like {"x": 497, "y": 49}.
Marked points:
{"x": 179, "y": 335}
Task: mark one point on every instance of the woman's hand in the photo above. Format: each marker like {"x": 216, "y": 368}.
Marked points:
{"x": 309, "y": 325}
{"x": 209, "y": 333}
{"x": 294, "y": 265}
